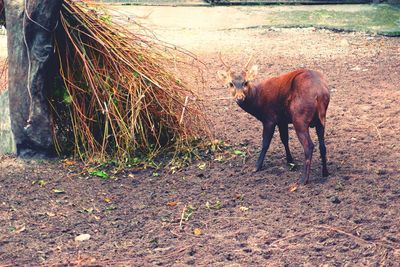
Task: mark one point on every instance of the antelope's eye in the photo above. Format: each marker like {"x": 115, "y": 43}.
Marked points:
{"x": 246, "y": 83}
{"x": 230, "y": 84}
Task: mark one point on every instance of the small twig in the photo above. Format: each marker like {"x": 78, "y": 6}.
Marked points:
{"x": 384, "y": 257}
{"x": 175, "y": 234}
{"x": 290, "y": 237}
{"x": 184, "y": 109}
{"x": 327, "y": 227}
{"x": 386, "y": 120}
{"x": 182, "y": 217}
{"x": 215, "y": 99}
{"x": 391, "y": 116}
{"x": 379, "y": 133}
{"x": 330, "y": 228}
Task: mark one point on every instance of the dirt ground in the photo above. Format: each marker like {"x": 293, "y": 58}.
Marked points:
{"x": 251, "y": 219}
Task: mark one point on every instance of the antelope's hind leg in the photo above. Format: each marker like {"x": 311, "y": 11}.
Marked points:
{"x": 320, "y": 129}
{"x": 303, "y": 134}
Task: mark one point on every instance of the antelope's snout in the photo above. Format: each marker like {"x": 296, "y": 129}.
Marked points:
{"x": 239, "y": 95}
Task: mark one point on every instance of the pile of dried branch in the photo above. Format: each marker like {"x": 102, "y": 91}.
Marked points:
{"x": 121, "y": 98}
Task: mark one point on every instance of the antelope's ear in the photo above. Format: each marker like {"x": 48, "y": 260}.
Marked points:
{"x": 252, "y": 73}
{"x": 224, "y": 76}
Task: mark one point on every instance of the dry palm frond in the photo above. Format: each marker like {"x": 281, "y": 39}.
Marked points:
{"x": 121, "y": 98}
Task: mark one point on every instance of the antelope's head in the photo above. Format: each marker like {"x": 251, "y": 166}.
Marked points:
{"x": 238, "y": 82}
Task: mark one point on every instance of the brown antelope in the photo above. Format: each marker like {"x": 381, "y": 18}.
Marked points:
{"x": 300, "y": 97}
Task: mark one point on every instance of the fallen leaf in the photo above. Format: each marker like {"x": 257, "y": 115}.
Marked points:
{"x": 293, "y": 187}
{"x": 239, "y": 196}
{"x": 292, "y": 166}
{"x": 197, "y": 231}
{"x": 217, "y": 205}
{"x": 88, "y": 210}
{"x": 107, "y": 200}
{"x": 82, "y": 237}
{"x": 58, "y": 191}
{"x": 69, "y": 162}
{"x": 243, "y": 208}
{"x": 201, "y": 166}
{"x": 111, "y": 207}
{"x": 42, "y": 183}
{"x": 172, "y": 203}
{"x": 164, "y": 219}
{"x": 334, "y": 200}
{"x": 20, "y": 229}
{"x": 50, "y": 214}
{"x": 219, "y": 158}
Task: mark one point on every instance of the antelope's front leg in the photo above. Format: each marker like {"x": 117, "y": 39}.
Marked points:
{"x": 268, "y": 132}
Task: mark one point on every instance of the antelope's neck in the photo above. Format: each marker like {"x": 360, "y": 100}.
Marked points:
{"x": 249, "y": 104}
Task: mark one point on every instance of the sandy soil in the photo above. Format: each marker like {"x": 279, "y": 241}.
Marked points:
{"x": 349, "y": 219}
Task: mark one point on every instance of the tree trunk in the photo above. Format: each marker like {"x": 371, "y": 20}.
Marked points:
{"x": 30, "y": 57}
{"x": 2, "y": 14}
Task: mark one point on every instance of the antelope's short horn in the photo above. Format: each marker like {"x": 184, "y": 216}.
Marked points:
{"x": 248, "y": 62}
{"x": 223, "y": 62}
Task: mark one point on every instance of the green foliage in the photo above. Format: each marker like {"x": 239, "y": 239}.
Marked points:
{"x": 106, "y": 18}
{"x": 102, "y": 174}
{"x": 382, "y": 19}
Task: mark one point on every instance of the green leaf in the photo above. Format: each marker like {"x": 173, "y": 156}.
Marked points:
{"x": 215, "y": 206}
{"x": 101, "y": 174}
{"x": 67, "y": 99}
{"x": 238, "y": 153}
{"x": 156, "y": 174}
{"x": 188, "y": 212}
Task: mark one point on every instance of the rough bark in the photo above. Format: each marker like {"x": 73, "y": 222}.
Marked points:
{"x": 2, "y": 14}
{"x": 30, "y": 56}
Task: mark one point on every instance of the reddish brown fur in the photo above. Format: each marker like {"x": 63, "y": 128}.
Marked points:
{"x": 300, "y": 97}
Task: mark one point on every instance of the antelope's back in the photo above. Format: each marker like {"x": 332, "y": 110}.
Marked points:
{"x": 310, "y": 84}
